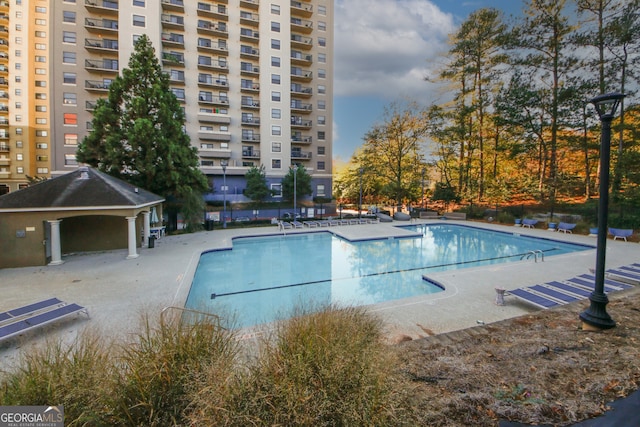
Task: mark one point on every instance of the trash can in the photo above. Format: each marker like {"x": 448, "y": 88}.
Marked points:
{"x": 208, "y": 225}
{"x": 152, "y": 242}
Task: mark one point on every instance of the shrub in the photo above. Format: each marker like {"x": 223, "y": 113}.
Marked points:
{"x": 327, "y": 368}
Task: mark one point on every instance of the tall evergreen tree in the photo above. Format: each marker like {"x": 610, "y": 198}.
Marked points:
{"x": 302, "y": 181}
{"x": 138, "y": 132}
{"x": 257, "y": 188}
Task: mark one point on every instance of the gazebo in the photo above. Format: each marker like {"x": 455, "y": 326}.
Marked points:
{"x": 84, "y": 210}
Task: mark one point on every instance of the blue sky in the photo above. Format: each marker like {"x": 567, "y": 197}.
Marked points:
{"x": 383, "y": 51}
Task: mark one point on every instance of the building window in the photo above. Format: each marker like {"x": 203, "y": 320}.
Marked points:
{"x": 41, "y": 83}
{"x": 70, "y": 139}
{"x": 139, "y": 3}
{"x": 40, "y": 58}
{"x": 42, "y": 22}
{"x": 42, "y": 133}
{"x": 41, "y": 108}
{"x": 275, "y": 44}
{"x": 42, "y": 170}
{"x": 275, "y": 26}
{"x": 276, "y": 130}
{"x": 71, "y": 119}
{"x": 322, "y": 10}
{"x": 69, "y": 37}
{"x": 275, "y": 79}
{"x": 138, "y": 21}
{"x": 276, "y": 147}
{"x": 68, "y": 57}
{"x": 69, "y": 78}
{"x": 322, "y": 89}
{"x": 41, "y": 34}
{"x": 42, "y": 145}
{"x": 322, "y": 73}
{"x": 41, "y": 121}
{"x": 41, "y": 9}
{"x": 40, "y": 95}
{"x": 19, "y": 157}
{"x": 321, "y": 135}
{"x": 41, "y": 71}
{"x": 275, "y": 61}
{"x": 179, "y": 93}
{"x": 276, "y": 190}
{"x": 320, "y": 190}
{"x": 19, "y": 169}
{"x": 69, "y": 98}
{"x": 40, "y": 46}
{"x": 322, "y": 26}
{"x": 322, "y": 58}
{"x": 322, "y": 104}
{"x": 320, "y": 166}
{"x": 42, "y": 158}
{"x": 322, "y": 120}
{"x": 275, "y": 9}
{"x": 275, "y": 96}
{"x": 69, "y": 17}
{"x": 276, "y": 164}
{"x": 70, "y": 160}
{"x": 276, "y": 113}
{"x": 321, "y": 151}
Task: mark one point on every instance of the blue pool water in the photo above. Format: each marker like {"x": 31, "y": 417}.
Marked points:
{"x": 263, "y": 278}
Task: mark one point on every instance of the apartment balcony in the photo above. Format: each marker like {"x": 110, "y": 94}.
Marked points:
{"x": 298, "y": 58}
{"x": 173, "y": 40}
{"x": 301, "y": 91}
{"x": 101, "y": 26}
{"x": 4, "y": 95}
{"x": 249, "y": 52}
{"x": 208, "y": 63}
{"x": 251, "y": 154}
{"x": 300, "y": 155}
{"x": 172, "y": 21}
{"x": 173, "y": 5}
{"x": 207, "y": 80}
{"x": 254, "y": 87}
{"x": 209, "y": 99}
{"x": 249, "y": 35}
{"x": 303, "y": 26}
{"x": 217, "y": 11}
{"x": 5, "y": 174}
{"x": 4, "y": 108}
{"x": 248, "y": 69}
{"x": 4, "y": 6}
{"x": 4, "y": 44}
{"x": 173, "y": 58}
{"x": 298, "y": 122}
{"x": 212, "y": 28}
{"x": 209, "y": 115}
{"x": 96, "y": 85}
{"x": 248, "y": 18}
{"x": 101, "y": 65}
{"x": 4, "y": 148}
{"x": 251, "y": 121}
{"x": 101, "y": 45}
{"x": 301, "y": 75}
{"x": 301, "y": 42}
{"x": 5, "y": 161}
{"x": 250, "y": 4}
{"x": 301, "y": 9}
{"x": 90, "y": 105}
{"x": 218, "y": 46}
{"x": 250, "y": 137}
{"x": 4, "y": 121}
{"x": 215, "y": 153}
{"x": 301, "y": 107}
{"x": 209, "y": 135}
{"x": 104, "y": 7}
{"x": 299, "y": 138}
{"x": 250, "y": 104}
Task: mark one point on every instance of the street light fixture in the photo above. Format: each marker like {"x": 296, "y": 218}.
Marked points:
{"x": 596, "y": 316}
{"x": 361, "y": 170}
{"x": 295, "y": 185}
{"x": 224, "y": 188}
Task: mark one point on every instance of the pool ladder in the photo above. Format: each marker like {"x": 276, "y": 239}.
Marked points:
{"x": 533, "y": 254}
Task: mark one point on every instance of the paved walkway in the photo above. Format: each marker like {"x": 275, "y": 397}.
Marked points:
{"x": 116, "y": 290}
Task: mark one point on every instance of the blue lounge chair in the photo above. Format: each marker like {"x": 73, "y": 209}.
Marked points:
{"x": 529, "y": 223}
{"x": 36, "y": 319}
{"x": 623, "y": 275}
{"x": 566, "y": 227}
{"x": 620, "y": 233}
{"x": 296, "y": 224}
{"x": 29, "y": 309}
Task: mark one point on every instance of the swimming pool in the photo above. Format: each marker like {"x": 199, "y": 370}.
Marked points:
{"x": 262, "y": 278}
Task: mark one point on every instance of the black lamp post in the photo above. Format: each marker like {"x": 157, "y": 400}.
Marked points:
{"x": 224, "y": 193}
{"x": 361, "y": 170}
{"x": 295, "y": 174}
{"x": 424, "y": 170}
{"x": 596, "y": 316}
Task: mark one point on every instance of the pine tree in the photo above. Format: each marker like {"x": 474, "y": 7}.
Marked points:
{"x": 138, "y": 132}
{"x": 257, "y": 188}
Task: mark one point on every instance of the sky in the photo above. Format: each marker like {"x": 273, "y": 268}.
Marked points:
{"x": 384, "y": 49}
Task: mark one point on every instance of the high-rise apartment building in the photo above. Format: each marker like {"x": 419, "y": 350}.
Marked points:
{"x": 255, "y": 78}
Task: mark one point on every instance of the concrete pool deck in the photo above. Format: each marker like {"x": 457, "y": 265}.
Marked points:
{"x": 116, "y": 291}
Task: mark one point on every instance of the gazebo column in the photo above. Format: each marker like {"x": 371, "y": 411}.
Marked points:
{"x": 146, "y": 228}
{"x": 132, "y": 237}
{"x": 56, "y": 250}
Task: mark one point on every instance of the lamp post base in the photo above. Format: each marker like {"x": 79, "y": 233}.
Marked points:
{"x": 596, "y": 318}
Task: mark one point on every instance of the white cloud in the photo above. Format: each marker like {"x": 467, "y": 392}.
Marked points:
{"x": 387, "y": 47}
